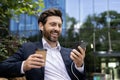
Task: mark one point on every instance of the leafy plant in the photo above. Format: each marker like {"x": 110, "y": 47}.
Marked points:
{"x": 9, "y": 8}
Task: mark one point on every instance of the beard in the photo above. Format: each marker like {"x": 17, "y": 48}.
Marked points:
{"x": 52, "y": 35}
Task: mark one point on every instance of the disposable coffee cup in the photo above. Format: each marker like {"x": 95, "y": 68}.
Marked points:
{"x": 43, "y": 52}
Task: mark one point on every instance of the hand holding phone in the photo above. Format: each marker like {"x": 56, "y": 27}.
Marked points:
{"x": 78, "y": 57}
{"x": 82, "y": 44}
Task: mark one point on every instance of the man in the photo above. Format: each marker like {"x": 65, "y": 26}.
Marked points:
{"x": 61, "y": 63}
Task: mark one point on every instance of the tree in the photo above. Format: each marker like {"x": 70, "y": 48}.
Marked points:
{"x": 8, "y": 9}
{"x": 100, "y": 24}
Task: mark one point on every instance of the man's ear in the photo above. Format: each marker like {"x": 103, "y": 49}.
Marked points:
{"x": 40, "y": 26}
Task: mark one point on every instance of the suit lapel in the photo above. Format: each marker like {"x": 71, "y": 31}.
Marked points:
{"x": 65, "y": 53}
{"x": 39, "y": 45}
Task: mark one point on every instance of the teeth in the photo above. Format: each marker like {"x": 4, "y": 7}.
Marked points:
{"x": 55, "y": 34}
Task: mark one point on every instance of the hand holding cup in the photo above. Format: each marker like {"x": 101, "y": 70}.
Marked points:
{"x": 36, "y": 60}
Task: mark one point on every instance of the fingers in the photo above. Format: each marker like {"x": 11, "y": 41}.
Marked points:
{"x": 75, "y": 58}
{"x": 82, "y": 51}
{"x": 36, "y": 62}
{"x": 78, "y": 57}
{"x": 75, "y": 55}
{"x": 33, "y": 61}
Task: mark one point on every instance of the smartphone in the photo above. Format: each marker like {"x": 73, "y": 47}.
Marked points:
{"x": 82, "y": 44}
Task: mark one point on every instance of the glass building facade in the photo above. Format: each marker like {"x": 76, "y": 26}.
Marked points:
{"x": 102, "y": 21}
{"x": 25, "y": 25}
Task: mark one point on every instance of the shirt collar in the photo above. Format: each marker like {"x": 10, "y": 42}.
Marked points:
{"x": 46, "y": 45}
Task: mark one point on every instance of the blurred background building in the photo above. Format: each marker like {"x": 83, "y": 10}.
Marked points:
{"x": 26, "y": 25}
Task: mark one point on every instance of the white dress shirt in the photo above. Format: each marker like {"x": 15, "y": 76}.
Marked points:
{"x": 54, "y": 66}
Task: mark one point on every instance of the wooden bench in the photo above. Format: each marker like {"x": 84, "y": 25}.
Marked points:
{"x": 17, "y": 78}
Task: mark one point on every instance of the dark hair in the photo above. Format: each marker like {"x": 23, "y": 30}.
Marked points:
{"x": 49, "y": 12}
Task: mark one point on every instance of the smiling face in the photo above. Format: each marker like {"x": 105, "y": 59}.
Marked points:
{"x": 52, "y": 28}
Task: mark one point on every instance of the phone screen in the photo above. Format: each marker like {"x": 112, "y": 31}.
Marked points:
{"x": 82, "y": 44}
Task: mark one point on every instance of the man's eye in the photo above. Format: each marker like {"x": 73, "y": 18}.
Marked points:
{"x": 60, "y": 25}
{"x": 53, "y": 24}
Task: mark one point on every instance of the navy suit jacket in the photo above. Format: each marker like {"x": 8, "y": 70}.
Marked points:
{"x": 12, "y": 66}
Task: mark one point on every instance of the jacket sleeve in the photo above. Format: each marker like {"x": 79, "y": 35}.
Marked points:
{"x": 11, "y": 67}
{"x": 78, "y": 74}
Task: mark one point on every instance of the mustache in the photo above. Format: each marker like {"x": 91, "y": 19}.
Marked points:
{"x": 55, "y": 31}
